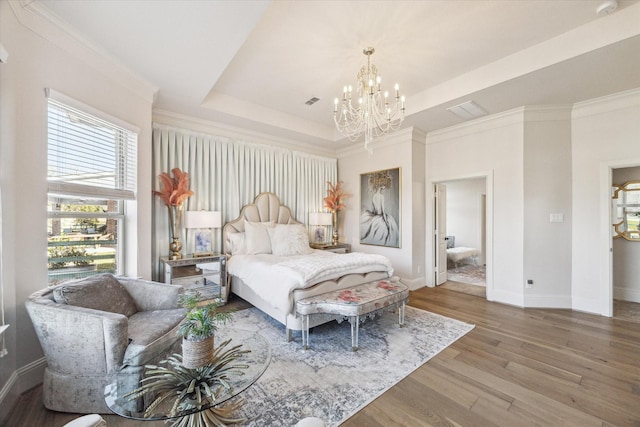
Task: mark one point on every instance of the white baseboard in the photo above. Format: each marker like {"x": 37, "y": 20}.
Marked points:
{"x": 504, "y": 297}
{"x": 547, "y": 301}
{"x": 587, "y": 305}
{"x": 8, "y": 396}
{"x": 23, "y": 379}
{"x": 626, "y": 294}
{"x": 414, "y": 284}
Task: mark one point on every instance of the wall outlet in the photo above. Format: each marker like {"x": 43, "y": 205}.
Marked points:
{"x": 528, "y": 284}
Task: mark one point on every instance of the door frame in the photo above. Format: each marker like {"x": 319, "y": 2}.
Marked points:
{"x": 606, "y": 237}
{"x": 430, "y": 229}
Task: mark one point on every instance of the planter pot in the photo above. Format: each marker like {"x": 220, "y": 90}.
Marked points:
{"x": 196, "y": 354}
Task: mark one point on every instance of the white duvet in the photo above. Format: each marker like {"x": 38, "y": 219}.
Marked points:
{"x": 274, "y": 278}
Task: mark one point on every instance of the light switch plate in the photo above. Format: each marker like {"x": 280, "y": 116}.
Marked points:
{"x": 556, "y": 217}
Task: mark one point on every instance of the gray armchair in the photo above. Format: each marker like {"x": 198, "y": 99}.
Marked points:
{"x": 96, "y": 329}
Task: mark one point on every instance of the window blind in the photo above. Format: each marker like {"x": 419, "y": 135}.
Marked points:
{"x": 89, "y": 155}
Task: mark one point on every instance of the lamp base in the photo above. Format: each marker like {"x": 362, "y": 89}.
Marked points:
{"x": 175, "y": 247}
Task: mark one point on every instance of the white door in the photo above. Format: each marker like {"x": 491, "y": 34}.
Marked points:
{"x": 440, "y": 235}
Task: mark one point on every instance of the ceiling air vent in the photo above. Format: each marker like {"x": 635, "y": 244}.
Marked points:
{"x": 312, "y": 101}
{"x": 468, "y": 110}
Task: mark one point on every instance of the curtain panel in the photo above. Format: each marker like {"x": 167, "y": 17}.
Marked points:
{"x": 226, "y": 174}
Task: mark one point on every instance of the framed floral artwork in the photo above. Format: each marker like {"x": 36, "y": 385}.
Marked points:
{"x": 380, "y": 208}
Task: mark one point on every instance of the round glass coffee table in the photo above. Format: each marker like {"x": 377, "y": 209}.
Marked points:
{"x": 181, "y": 392}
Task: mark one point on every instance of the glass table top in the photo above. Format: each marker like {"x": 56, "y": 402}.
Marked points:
{"x": 181, "y": 396}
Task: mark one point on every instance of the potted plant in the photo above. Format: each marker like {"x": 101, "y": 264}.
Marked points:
{"x": 198, "y": 328}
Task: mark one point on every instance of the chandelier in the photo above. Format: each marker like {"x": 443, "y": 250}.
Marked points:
{"x": 373, "y": 115}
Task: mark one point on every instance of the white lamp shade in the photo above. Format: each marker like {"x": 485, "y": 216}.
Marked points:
{"x": 202, "y": 219}
{"x": 320, "y": 218}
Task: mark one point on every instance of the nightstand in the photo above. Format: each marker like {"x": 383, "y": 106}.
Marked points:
{"x": 207, "y": 275}
{"x": 339, "y": 248}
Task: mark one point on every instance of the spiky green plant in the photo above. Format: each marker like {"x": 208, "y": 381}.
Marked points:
{"x": 185, "y": 390}
{"x": 200, "y": 322}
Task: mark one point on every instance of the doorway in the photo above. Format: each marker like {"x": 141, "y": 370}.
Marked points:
{"x": 626, "y": 251}
{"x": 461, "y": 224}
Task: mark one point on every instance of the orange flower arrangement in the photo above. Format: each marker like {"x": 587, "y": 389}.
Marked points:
{"x": 335, "y": 197}
{"x": 174, "y": 191}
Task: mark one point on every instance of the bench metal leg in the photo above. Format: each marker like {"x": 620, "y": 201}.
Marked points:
{"x": 305, "y": 331}
{"x": 355, "y": 331}
{"x": 401, "y": 314}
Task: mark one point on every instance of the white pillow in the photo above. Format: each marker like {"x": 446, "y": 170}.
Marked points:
{"x": 237, "y": 243}
{"x": 257, "y": 237}
{"x": 289, "y": 239}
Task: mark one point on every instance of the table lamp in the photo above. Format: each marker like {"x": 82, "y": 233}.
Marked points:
{"x": 320, "y": 220}
{"x": 203, "y": 222}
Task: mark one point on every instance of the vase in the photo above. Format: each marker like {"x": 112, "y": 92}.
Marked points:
{"x": 196, "y": 354}
{"x": 175, "y": 217}
{"x": 334, "y": 218}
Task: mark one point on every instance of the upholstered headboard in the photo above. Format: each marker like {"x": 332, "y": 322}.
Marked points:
{"x": 265, "y": 207}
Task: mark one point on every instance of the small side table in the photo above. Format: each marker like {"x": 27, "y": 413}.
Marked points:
{"x": 339, "y": 248}
{"x": 207, "y": 275}
{"x": 355, "y": 304}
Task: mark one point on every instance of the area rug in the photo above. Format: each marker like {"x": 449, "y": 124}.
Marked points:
{"x": 465, "y": 288}
{"x": 329, "y": 381}
{"x": 468, "y": 273}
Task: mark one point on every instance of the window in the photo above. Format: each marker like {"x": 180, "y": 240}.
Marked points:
{"x": 91, "y": 172}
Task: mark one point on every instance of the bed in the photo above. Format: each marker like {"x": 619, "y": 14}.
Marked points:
{"x": 274, "y": 278}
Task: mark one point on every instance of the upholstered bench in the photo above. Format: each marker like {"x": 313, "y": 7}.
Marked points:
{"x": 355, "y": 304}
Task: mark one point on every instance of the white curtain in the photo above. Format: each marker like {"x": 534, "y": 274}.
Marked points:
{"x": 227, "y": 174}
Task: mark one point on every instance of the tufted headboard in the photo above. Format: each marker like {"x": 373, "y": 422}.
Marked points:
{"x": 265, "y": 207}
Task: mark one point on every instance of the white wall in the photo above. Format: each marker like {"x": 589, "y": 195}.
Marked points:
{"x": 403, "y": 149}
{"x": 605, "y": 134}
{"x": 464, "y": 212}
{"x": 490, "y": 147}
{"x": 626, "y": 254}
{"x": 547, "y": 190}
{"x": 36, "y": 61}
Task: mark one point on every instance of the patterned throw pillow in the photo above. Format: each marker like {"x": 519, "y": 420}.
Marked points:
{"x": 100, "y": 292}
{"x": 289, "y": 239}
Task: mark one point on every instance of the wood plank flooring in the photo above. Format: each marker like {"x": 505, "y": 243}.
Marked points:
{"x": 517, "y": 367}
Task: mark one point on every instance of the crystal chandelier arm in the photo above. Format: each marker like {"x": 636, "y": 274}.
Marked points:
{"x": 373, "y": 116}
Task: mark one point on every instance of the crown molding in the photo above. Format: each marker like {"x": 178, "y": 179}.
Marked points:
{"x": 41, "y": 21}
{"x": 606, "y": 104}
{"x": 398, "y": 137}
{"x": 210, "y": 128}
{"x": 482, "y": 124}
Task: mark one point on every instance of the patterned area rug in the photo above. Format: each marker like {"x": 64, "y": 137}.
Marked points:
{"x": 331, "y": 382}
{"x": 468, "y": 273}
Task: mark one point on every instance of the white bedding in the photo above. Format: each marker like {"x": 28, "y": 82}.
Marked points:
{"x": 274, "y": 278}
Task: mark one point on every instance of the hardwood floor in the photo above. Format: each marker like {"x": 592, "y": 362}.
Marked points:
{"x": 517, "y": 367}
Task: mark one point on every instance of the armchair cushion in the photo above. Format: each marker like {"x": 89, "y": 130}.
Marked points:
{"x": 100, "y": 292}
{"x": 149, "y": 332}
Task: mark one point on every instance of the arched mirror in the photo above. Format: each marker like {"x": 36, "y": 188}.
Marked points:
{"x": 626, "y": 210}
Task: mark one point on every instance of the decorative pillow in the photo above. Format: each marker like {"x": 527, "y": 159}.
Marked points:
{"x": 237, "y": 243}
{"x": 257, "y": 237}
{"x": 289, "y": 239}
{"x": 100, "y": 292}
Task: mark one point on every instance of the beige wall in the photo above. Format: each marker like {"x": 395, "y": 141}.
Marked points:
{"x": 40, "y": 58}
{"x": 404, "y": 149}
{"x": 547, "y": 190}
{"x": 490, "y": 148}
{"x": 605, "y": 135}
